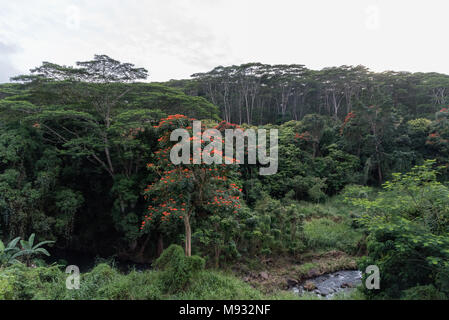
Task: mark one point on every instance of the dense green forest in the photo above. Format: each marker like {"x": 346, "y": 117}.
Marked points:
{"x": 362, "y": 180}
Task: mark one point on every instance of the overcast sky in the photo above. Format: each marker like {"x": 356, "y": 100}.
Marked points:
{"x": 175, "y": 38}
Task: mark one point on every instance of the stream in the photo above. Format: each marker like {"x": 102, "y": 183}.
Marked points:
{"x": 329, "y": 284}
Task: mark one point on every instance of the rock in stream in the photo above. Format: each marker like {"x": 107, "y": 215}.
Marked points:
{"x": 329, "y": 284}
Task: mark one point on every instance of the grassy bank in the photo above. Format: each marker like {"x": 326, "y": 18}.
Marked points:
{"x": 106, "y": 283}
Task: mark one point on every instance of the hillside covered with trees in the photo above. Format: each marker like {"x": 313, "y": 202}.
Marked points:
{"x": 362, "y": 180}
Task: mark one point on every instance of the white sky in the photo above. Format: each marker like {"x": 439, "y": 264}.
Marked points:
{"x": 175, "y": 38}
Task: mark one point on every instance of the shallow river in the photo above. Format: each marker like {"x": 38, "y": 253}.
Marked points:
{"x": 329, "y": 284}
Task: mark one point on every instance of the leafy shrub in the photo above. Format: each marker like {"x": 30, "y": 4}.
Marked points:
{"x": 170, "y": 256}
{"x": 278, "y": 227}
{"x": 6, "y": 287}
{"x": 176, "y": 268}
{"x": 428, "y": 292}
{"x": 407, "y": 256}
{"x": 32, "y": 283}
{"x": 9, "y": 252}
{"x": 195, "y": 263}
{"x": 407, "y": 225}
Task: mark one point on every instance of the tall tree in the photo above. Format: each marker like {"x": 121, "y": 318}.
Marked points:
{"x": 188, "y": 191}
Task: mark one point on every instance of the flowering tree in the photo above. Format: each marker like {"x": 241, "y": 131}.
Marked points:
{"x": 184, "y": 191}
{"x": 438, "y": 137}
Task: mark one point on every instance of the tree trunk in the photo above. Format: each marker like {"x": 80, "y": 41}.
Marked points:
{"x": 315, "y": 149}
{"x": 379, "y": 173}
{"x": 160, "y": 245}
{"x": 188, "y": 245}
{"x": 217, "y": 256}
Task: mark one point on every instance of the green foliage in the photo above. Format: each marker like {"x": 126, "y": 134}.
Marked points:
{"x": 177, "y": 269}
{"x": 338, "y": 168}
{"x": 195, "y": 263}
{"x": 6, "y": 287}
{"x": 351, "y": 192}
{"x": 420, "y": 125}
{"x": 9, "y": 253}
{"x": 428, "y": 292}
{"x": 32, "y": 283}
{"x": 292, "y": 92}
{"x": 105, "y": 283}
{"x": 29, "y": 249}
{"x": 325, "y": 234}
{"x": 74, "y": 142}
{"x": 77, "y": 125}
{"x": 275, "y": 228}
{"x": 407, "y": 227}
{"x": 173, "y": 255}
{"x": 216, "y": 285}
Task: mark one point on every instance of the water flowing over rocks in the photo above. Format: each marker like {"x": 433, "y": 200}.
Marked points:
{"x": 329, "y": 284}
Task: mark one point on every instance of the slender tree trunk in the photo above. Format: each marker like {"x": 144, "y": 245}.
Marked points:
{"x": 217, "y": 255}
{"x": 315, "y": 149}
{"x": 188, "y": 244}
{"x": 160, "y": 244}
{"x": 379, "y": 173}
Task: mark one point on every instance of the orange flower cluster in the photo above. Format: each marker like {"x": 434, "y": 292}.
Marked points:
{"x": 306, "y": 136}
{"x": 176, "y": 116}
{"x": 349, "y": 116}
{"x": 227, "y": 201}
{"x": 171, "y": 119}
{"x": 166, "y": 209}
{"x": 223, "y": 125}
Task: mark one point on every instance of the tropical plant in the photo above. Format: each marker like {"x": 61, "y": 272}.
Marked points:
{"x": 8, "y": 253}
{"x": 29, "y": 249}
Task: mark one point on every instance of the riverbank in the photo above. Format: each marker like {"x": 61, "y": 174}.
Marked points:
{"x": 284, "y": 273}
{"x": 18, "y": 282}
